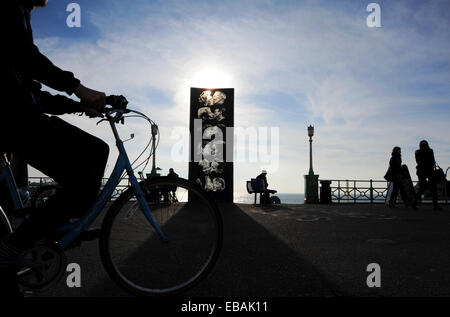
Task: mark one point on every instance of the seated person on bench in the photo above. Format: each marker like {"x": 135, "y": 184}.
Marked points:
{"x": 264, "y": 196}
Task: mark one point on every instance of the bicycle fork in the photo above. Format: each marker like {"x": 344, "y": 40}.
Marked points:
{"x": 144, "y": 205}
{"x": 123, "y": 157}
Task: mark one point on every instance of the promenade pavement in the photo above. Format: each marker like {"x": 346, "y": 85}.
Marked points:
{"x": 310, "y": 250}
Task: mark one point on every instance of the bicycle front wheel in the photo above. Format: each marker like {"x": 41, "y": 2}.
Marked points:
{"x": 134, "y": 254}
{"x": 5, "y": 225}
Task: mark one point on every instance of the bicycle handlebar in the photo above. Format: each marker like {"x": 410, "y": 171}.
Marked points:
{"x": 117, "y": 102}
{"x": 118, "y": 106}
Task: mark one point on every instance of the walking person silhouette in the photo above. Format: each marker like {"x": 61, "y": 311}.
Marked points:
{"x": 425, "y": 169}
{"x": 395, "y": 170}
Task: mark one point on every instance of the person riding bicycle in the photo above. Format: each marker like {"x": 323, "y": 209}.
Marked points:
{"x": 75, "y": 159}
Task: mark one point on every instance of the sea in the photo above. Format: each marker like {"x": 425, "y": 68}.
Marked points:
{"x": 246, "y": 198}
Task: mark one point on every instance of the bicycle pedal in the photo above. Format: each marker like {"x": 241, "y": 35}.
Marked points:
{"x": 90, "y": 234}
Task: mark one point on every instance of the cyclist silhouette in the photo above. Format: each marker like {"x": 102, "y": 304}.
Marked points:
{"x": 75, "y": 159}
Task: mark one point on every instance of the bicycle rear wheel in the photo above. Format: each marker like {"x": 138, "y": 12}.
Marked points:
{"x": 137, "y": 258}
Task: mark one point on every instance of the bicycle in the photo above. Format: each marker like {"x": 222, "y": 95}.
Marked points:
{"x": 148, "y": 247}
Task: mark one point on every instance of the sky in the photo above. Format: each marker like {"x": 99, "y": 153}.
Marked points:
{"x": 291, "y": 63}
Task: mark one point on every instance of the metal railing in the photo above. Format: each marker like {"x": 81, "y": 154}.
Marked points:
{"x": 35, "y": 182}
{"x": 342, "y": 191}
{"x": 371, "y": 191}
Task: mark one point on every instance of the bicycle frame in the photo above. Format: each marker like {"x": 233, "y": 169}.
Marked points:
{"x": 72, "y": 231}
{"x": 6, "y": 175}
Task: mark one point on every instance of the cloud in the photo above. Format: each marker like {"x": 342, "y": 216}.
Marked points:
{"x": 366, "y": 89}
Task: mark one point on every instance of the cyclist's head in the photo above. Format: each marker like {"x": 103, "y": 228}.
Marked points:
{"x": 37, "y": 3}
{"x": 170, "y": 170}
{"x": 264, "y": 172}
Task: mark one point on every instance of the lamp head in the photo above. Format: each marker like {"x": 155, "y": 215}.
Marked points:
{"x": 310, "y": 131}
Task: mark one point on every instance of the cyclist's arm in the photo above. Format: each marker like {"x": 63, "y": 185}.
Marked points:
{"x": 57, "y": 104}
{"x": 33, "y": 62}
{"x": 44, "y": 71}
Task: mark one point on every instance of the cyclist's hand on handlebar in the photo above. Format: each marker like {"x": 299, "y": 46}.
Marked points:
{"x": 92, "y": 113}
{"x": 93, "y": 101}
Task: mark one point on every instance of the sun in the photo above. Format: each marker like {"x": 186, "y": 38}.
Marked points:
{"x": 211, "y": 78}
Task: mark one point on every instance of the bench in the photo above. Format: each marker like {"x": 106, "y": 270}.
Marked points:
{"x": 256, "y": 186}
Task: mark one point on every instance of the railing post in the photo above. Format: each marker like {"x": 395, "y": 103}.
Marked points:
{"x": 371, "y": 191}
{"x": 325, "y": 192}
{"x": 339, "y": 192}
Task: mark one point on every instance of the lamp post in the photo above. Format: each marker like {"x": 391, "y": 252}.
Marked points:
{"x": 154, "y": 172}
{"x": 311, "y": 180}
{"x": 310, "y": 134}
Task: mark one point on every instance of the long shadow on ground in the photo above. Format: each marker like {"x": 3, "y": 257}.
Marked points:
{"x": 253, "y": 262}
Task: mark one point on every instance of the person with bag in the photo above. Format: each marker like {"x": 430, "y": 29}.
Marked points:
{"x": 393, "y": 174}
{"x": 426, "y": 165}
